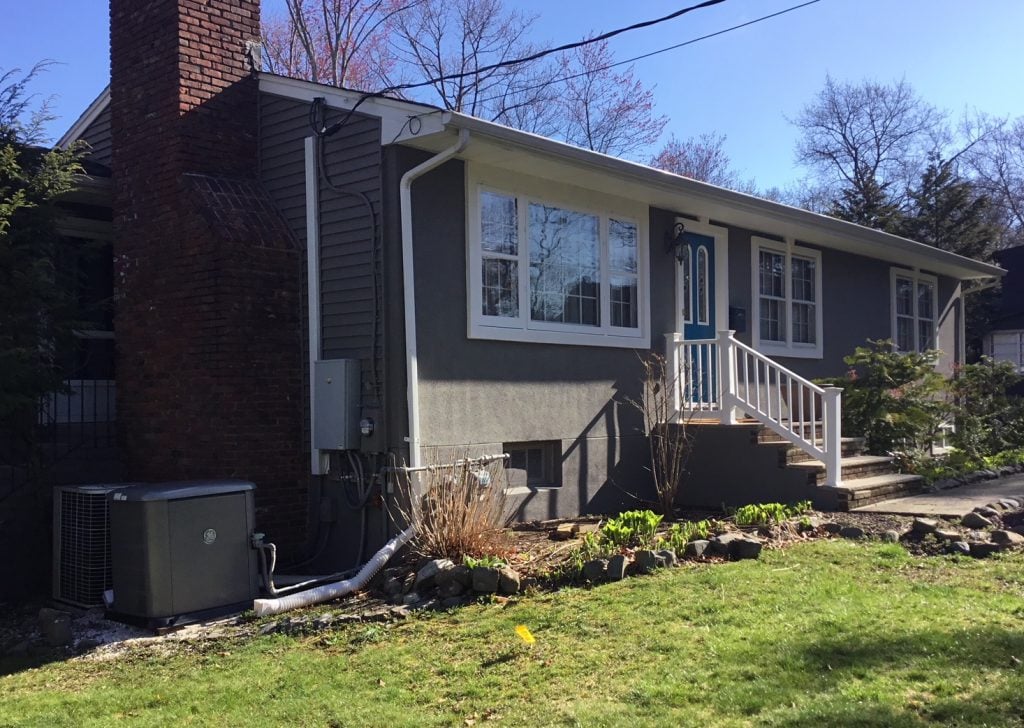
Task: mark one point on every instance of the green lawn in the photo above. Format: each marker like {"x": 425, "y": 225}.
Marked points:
{"x": 822, "y": 634}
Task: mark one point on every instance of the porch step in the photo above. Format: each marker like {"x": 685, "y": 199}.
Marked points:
{"x": 854, "y": 468}
{"x": 790, "y": 453}
{"x": 865, "y": 491}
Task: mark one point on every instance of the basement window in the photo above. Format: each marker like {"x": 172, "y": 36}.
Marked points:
{"x": 532, "y": 464}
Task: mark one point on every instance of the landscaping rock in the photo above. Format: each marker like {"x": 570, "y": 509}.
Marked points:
{"x": 960, "y": 547}
{"x": 975, "y": 520}
{"x": 508, "y": 580}
{"x": 645, "y": 561}
{"x": 722, "y": 543}
{"x": 924, "y": 525}
{"x": 948, "y": 534}
{"x": 617, "y": 567}
{"x": 669, "y": 557}
{"x": 852, "y": 532}
{"x": 485, "y": 579}
{"x": 595, "y": 569}
{"x": 986, "y": 512}
{"x": 745, "y": 548}
{"x": 564, "y": 532}
{"x": 696, "y": 549}
{"x": 832, "y": 528}
{"x": 1007, "y": 538}
{"x": 981, "y": 549}
{"x": 426, "y": 577}
{"x": 450, "y": 589}
{"x": 1009, "y": 504}
{"x": 55, "y": 626}
{"x": 946, "y": 483}
{"x": 411, "y": 599}
{"x": 891, "y": 536}
{"x": 269, "y": 628}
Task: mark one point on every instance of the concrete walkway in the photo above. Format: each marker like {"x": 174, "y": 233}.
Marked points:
{"x": 954, "y": 502}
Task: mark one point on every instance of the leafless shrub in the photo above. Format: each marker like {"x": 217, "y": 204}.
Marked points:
{"x": 666, "y": 428}
{"x": 461, "y": 510}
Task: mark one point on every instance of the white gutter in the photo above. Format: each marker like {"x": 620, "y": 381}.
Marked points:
{"x": 409, "y": 288}
{"x": 318, "y": 462}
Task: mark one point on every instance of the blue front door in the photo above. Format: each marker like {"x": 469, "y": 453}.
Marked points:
{"x": 697, "y": 312}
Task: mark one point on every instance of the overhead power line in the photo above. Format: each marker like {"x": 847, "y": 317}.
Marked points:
{"x": 549, "y": 51}
{"x": 657, "y": 52}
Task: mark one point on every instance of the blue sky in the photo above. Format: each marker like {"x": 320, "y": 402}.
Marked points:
{"x": 958, "y": 55}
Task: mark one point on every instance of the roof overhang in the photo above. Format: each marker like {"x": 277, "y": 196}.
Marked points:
{"x": 432, "y": 129}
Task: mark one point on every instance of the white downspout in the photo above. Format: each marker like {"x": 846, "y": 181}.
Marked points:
{"x": 409, "y": 287}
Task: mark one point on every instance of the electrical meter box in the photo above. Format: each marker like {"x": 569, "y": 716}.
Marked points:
{"x": 336, "y": 408}
{"x": 180, "y": 551}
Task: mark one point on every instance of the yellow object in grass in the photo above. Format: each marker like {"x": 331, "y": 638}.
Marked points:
{"x": 524, "y": 634}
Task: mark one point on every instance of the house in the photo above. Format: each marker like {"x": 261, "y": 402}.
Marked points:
{"x": 1005, "y": 342}
{"x": 496, "y": 288}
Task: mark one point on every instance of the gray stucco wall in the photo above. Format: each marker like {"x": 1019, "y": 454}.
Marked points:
{"x": 477, "y": 394}
{"x": 856, "y": 305}
{"x": 98, "y": 136}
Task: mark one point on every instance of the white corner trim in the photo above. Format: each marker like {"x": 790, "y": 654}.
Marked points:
{"x": 91, "y": 113}
{"x": 789, "y": 348}
{"x": 522, "y": 328}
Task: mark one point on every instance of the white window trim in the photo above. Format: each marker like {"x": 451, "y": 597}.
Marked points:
{"x": 721, "y": 237}
{"x": 916, "y": 277}
{"x": 533, "y": 190}
{"x": 789, "y": 348}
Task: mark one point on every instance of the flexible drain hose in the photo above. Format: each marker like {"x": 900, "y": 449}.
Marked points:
{"x": 265, "y": 607}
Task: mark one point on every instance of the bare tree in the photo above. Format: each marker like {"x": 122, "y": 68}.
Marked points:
{"x": 339, "y": 42}
{"x": 437, "y": 39}
{"x": 605, "y": 111}
{"x": 701, "y": 158}
{"x": 868, "y": 139}
{"x": 997, "y": 162}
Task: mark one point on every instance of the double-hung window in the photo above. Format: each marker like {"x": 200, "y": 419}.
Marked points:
{"x": 543, "y": 270}
{"x": 913, "y": 310}
{"x": 786, "y": 299}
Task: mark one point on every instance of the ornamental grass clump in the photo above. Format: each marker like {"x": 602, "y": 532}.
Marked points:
{"x": 461, "y": 512}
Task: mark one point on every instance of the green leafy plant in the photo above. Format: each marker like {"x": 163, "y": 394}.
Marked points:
{"x": 989, "y": 420}
{"x": 489, "y": 561}
{"x": 631, "y": 528}
{"x": 893, "y": 399}
{"x": 680, "y": 534}
{"x": 764, "y": 514}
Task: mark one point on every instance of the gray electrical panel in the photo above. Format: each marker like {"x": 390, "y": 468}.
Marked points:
{"x": 182, "y": 548}
{"x": 336, "y": 407}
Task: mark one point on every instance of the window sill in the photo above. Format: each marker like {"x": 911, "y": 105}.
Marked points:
{"x": 789, "y": 352}
{"x": 626, "y": 340}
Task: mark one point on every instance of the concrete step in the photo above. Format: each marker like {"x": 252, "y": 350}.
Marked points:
{"x": 864, "y": 491}
{"x": 854, "y": 468}
{"x": 790, "y": 453}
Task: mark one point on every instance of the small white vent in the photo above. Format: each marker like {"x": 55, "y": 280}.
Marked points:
{"x": 81, "y": 544}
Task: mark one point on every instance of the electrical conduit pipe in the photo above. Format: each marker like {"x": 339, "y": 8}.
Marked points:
{"x": 266, "y": 607}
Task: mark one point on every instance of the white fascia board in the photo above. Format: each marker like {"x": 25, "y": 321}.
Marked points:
{"x": 400, "y": 120}
{"x": 97, "y": 107}
{"x": 741, "y": 209}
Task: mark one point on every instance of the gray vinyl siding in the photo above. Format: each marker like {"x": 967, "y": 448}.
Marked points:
{"x": 346, "y": 247}
{"x": 98, "y": 136}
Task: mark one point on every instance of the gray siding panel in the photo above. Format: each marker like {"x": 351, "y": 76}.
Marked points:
{"x": 98, "y": 136}
{"x": 353, "y": 162}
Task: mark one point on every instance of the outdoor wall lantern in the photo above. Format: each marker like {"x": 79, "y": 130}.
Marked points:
{"x": 676, "y": 243}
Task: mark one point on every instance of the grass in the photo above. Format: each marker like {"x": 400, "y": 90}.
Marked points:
{"x": 826, "y": 633}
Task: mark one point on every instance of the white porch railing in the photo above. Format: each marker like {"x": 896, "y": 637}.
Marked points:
{"x": 720, "y": 377}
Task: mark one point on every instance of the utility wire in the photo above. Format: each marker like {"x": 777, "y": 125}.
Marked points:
{"x": 549, "y": 51}
{"x": 657, "y": 52}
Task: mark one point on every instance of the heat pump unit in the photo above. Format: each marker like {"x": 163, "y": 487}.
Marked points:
{"x": 81, "y": 543}
{"x": 182, "y": 551}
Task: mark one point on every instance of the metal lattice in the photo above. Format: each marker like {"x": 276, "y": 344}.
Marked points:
{"x": 82, "y": 544}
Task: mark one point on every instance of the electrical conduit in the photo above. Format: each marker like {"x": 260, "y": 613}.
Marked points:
{"x": 266, "y": 607}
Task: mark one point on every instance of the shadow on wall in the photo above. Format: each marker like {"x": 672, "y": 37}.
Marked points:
{"x": 605, "y": 469}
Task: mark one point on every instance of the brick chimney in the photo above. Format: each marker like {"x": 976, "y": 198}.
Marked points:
{"x": 208, "y": 285}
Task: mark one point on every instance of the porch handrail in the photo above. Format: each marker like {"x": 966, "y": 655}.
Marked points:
{"x": 798, "y": 410}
